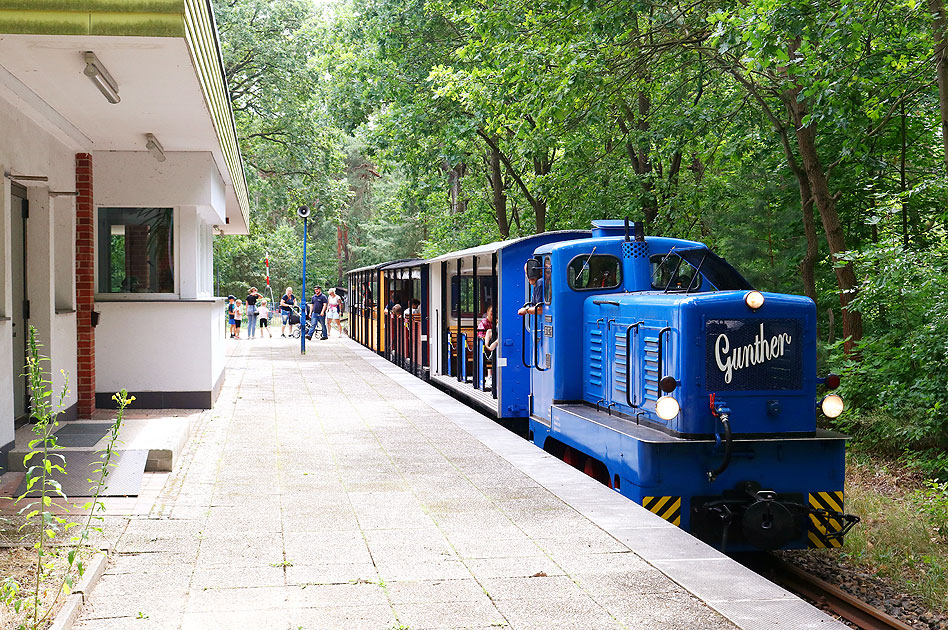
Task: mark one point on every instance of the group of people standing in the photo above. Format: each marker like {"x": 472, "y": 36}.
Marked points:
{"x": 258, "y": 314}
{"x": 323, "y": 308}
{"x": 256, "y": 311}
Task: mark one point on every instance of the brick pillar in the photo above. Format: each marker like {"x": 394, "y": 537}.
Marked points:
{"x": 85, "y": 286}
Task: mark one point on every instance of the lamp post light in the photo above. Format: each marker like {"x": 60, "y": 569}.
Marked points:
{"x": 303, "y": 212}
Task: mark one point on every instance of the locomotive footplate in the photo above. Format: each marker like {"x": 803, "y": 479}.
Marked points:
{"x": 750, "y": 516}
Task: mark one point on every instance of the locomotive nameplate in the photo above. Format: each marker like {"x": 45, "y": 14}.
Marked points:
{"x": 754, "y": 354}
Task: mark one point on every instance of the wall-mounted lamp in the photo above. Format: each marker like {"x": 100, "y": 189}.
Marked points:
{"x": 154, "y": 147}
{"x": 101, "y": 77}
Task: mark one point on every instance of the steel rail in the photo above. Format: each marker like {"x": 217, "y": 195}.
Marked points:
{"x": 850, "y": 608}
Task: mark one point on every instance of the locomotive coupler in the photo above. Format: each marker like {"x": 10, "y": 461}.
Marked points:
{"x": 726, "y": 516}
{"x": 827, "y": 516}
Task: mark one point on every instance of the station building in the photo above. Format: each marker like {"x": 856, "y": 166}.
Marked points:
{"x": 120, "y": 163}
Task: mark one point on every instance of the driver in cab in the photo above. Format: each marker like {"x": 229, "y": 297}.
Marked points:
{"x": 534, "y": 271}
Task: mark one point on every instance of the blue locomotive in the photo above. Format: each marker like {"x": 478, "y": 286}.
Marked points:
{"x": 651, "y": 364}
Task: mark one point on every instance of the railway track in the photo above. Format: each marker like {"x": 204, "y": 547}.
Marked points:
{"x": 829, "y": 597}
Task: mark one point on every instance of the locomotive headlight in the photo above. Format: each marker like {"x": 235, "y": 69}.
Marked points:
{"x": 667, "y": 407}
{"x": 832, "y": 406}
{"x": 754, "y": 299}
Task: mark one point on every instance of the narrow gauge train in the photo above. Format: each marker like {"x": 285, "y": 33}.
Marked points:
{"x": 650, "y": 363}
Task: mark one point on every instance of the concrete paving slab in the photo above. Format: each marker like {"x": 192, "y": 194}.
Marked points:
{"x": 336, "y": 491}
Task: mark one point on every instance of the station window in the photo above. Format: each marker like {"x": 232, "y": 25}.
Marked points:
{"x": 598, "y": 271}
{"x": 135, "y": 250}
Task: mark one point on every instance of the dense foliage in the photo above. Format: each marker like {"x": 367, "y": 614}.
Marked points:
{"x": 804, "y": 140}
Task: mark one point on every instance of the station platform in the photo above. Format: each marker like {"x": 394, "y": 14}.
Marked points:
{"x": 334, "y": 490}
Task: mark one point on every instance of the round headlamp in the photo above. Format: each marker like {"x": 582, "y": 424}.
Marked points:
{"x": 832, "y": 406}
{"x": 667, "y": 407}
{"x": 754, "y": 299}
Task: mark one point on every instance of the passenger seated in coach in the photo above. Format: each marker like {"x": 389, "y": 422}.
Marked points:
{"x": 533, "y": 270}
{"x": 393, "y": 301}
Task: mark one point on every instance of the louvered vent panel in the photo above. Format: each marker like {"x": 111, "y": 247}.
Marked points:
{"x": 650, "y": 367}
{"x": 595, "y": 357}
{"x": 619, "y": 384}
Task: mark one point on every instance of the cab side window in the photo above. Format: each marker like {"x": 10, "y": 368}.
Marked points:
{"x": 599, "y": 271}
{"x": 547, "y": 280}
{"x": 674, "y": 273}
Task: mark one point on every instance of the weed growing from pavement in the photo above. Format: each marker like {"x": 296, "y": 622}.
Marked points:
{"x": 41, "y": 524}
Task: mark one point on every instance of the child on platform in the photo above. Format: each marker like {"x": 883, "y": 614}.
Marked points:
{"x": 237, "y": 311}
{"x": 264, "y": 312}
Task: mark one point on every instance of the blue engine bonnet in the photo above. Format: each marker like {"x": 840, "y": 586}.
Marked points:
{"x": 761, "y": 364}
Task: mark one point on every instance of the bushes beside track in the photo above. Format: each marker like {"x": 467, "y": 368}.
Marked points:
{"x": 896, "y": 383}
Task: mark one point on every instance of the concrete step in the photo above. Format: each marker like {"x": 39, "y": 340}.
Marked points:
{"x": 163, "y": 433}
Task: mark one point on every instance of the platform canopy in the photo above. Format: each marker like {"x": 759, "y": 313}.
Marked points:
{"x": 164, "y": 56}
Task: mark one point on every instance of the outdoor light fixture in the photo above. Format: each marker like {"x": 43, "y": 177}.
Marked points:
{"x": 101, "y": 77}
{"x": 832, "y": 406}
{"x": 667, "y": 407}
{"x": 154, "y": 147}
{"x": 754, "y": 300}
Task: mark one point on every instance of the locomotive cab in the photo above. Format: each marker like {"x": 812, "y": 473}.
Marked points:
{"x": 685, "y": 389}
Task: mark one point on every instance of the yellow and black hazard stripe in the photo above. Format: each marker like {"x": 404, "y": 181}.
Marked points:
{"x": 822, "y": 523}
{"x": 669, "y": 508}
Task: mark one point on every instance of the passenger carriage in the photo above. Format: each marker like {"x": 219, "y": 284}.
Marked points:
{"x": 463, "y": 284}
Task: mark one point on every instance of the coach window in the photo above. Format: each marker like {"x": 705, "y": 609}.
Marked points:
{"x": 600, "y": 271}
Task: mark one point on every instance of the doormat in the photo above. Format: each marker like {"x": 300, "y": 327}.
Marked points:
{"x": 125, "y": 475}
{"x": 82, "y": 434}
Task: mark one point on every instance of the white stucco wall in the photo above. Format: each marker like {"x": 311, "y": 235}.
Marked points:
{"x": 169, "y": 346}
{"x": 26, "y": 148}
{"x": 136, "y": 179}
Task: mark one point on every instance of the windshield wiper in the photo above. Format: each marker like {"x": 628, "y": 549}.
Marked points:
{"x": 697, "y": 271}
{"x": 585, "y": 265}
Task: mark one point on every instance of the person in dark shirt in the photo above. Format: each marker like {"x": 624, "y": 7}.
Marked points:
{"x": 317, "y": 310}
{"x": 535, "y": 277}
{"x": 287, "y": 302}
{"x": 252, "y": 312}
{"x": 231, "y": 307}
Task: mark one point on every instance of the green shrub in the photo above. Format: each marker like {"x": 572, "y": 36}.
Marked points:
{"x": 895, "y": 385}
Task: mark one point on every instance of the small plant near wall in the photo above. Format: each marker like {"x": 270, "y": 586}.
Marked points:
{"x": 56, "y": 541}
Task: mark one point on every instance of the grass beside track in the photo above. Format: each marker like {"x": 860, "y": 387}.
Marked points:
{"x": 902, "y": 536}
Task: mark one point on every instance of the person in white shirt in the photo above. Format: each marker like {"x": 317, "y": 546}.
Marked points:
{"x": 334, "y": 311}
{"x": 263, "y": 314}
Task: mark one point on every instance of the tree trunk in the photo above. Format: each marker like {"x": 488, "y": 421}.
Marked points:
{"x": 495, "y": 178}
{"x": 808, "y": 264}
{"x": 650, "y": 201}
{"x": 455, "y": 173}
{"x": 541, "y": 166}
{"x": 826, "y": 205}
{"x": 940, "y": 28}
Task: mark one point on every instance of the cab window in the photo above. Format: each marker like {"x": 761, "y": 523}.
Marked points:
{"x": 599, "y": 271}
{"x": 547, "y": 280}
{"x": 674, "y": 273}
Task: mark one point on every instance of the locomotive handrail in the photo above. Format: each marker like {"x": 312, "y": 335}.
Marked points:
{"x": 536, "y": 344}
{"x": 523, "y": 342}
{"x": 628, "y": 363}
{"x": 661, "y": 354}
{"x": 611, "y": 302}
